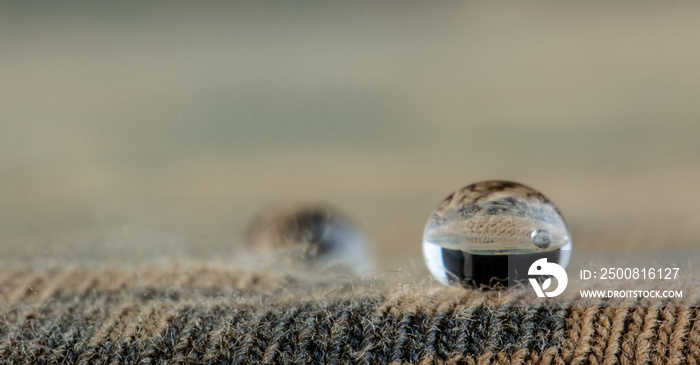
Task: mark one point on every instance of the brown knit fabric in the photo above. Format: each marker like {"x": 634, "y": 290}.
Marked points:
{"x": 217, "y": 315}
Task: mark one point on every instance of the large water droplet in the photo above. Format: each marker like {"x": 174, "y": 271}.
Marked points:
{"x": 473, "y": 234}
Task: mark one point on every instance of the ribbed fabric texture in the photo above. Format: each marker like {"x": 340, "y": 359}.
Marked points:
{"x": 219, "y": 316}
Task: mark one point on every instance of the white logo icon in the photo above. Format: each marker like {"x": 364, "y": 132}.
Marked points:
{"x": 543, "y": 268}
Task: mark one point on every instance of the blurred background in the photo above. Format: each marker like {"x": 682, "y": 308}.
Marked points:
{"x": 144, "y": 131}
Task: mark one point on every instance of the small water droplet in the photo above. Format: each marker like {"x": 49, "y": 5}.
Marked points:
{"x": 541, "y": 238}
{"x": 308, "y": 236}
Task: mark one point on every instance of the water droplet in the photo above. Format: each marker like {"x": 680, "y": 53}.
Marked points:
{"x": 472, "y": 235}
{"x": 308, "y": 236}
{"x": 541, "y": 238}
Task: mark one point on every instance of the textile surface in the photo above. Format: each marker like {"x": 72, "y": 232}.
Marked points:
{"x": 220, "y": 315}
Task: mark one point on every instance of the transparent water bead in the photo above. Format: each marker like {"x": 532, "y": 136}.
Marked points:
{"x": 309, "y": 236}
{"x": 478, "y": 230}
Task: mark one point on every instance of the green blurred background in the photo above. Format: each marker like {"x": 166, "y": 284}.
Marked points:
{"x": 148, "y": 131}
